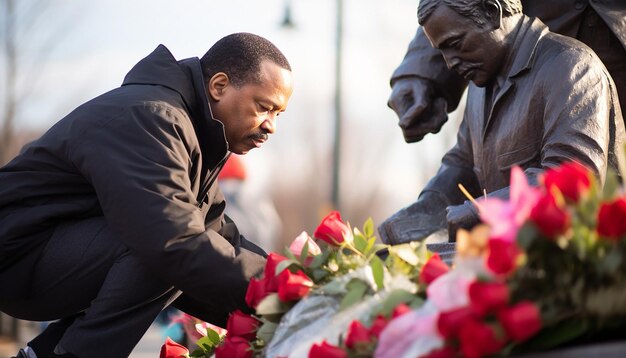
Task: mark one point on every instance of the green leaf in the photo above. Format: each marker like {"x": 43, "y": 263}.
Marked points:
{"x": 266, "y": 331}
{"x": 289, "y": 254}
{"x": 213, "y": 337}
{"x": 319, "y": 260}
{"x": 360, "y": 243}
{"x": 272, "y": 305}
{"x": 285, "y": 264}
{"x": 395, "y": 298}
{"x": 368, "y": 227}
{"x": 611, "y": 184}
{"x": 611, "y": 262}
{"x": 207, "y": 342}
{"x": 200, "y": 353}
{"x": 527, "y": 235}
{"x": 378, "y": 271}
{"x": 319, "y": 274}
{"x": 304, "y": 253}
{"x": 356, "y": 290}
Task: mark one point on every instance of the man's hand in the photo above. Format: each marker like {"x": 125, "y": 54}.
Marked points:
{"x": 415, "y": 222}
{"x": 419, "y": 111}
{"x": 462, "y": 216}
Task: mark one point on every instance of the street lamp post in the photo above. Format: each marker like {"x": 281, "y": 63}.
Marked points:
{"x": 287, "y": 22}
{"x": 336, "y": 169}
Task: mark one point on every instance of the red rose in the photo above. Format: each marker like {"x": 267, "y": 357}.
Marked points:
{"x": 520, "y": 321}
{"x": 612, "y": 219}
{"x": 293, "y": 286}
{"x": 234, "y": 347}
{"x": 488, "y": 296}
{"x": 445, "y": 352}
{"x": 271, "y": 281}
{"x": 400, "y": 309}
{"x": 549, "y": 217}
{"x": 478, "y": 339}
{"x": 572, "y": 179}
{"x": 357, "y": 335}
{"x": 242, "y": 325}
{"x": 449, "y": 323}
{"x": 502, "y": 256}
{"x": 326, "y": 350}
{"x": 432, "y": 269}
{"x": 332, "y": 229}
{"x": 172, "y": 349}
{"x": 256, "y": 292}
{"x": 380, "y": 322}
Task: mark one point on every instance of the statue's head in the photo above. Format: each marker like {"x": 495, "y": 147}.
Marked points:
{"x": 470, "y": 34}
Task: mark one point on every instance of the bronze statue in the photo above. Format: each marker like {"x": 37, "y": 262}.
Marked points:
{"x": 424, "y": 90}
{"x": 535, "y": 99}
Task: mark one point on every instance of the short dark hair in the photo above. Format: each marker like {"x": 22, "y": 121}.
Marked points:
{"x": 239, "y": 56}
{"x": 468, "y": 8}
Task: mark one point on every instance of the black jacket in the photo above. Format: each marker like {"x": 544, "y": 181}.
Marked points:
{"x": 145, "y": 156}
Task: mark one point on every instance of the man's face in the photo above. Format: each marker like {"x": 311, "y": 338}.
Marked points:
{"x": 475, "y": 52}
{"x": 249, "y": 112}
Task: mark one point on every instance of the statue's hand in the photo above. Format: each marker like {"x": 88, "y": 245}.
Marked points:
{"x": 415, "y": 222}
{"x": 463, "y": 216}
{"x": 419, "y": 111}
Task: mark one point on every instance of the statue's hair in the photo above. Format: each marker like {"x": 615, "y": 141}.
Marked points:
{"x": 239, "y": 56}
{"x": 469, "y": 8}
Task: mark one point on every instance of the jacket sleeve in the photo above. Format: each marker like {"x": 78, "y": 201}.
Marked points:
{"x": 139, "y": 165}
{"x": 457, "y": 167}
{"x": 424, "y": 61}
{"x": 579, "y": 118}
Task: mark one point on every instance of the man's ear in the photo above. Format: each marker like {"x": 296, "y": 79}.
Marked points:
{"x": 217, "y": 84}
{"x": 493, "y": 13}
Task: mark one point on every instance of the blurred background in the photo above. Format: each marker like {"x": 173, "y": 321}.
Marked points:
{"x": 338, "y": 145}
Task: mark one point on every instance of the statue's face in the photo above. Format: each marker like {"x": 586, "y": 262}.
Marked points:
{"x": 475, "y": 52}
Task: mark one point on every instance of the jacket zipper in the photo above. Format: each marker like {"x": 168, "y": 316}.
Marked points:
{"x": 212, "y": 177}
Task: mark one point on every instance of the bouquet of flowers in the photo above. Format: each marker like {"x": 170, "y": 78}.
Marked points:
{"x": 546, "y": 268}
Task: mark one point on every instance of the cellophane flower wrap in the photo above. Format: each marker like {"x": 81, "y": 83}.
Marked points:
{"x": 545, "y": 268}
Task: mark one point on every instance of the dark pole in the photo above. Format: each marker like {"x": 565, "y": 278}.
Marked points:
{"x": 337, "y": 132}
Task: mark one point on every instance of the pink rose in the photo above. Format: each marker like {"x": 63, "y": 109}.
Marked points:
{"x": 299, "y": 242}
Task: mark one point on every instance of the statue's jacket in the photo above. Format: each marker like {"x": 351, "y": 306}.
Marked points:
{"x": 556, "y": 103}
{"x": 145, "y": 156}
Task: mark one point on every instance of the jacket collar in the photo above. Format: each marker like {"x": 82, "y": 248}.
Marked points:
{"x": 185, "y": 77}
{"x": 526, "y": 42}
{"x": 527, "y": 38}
